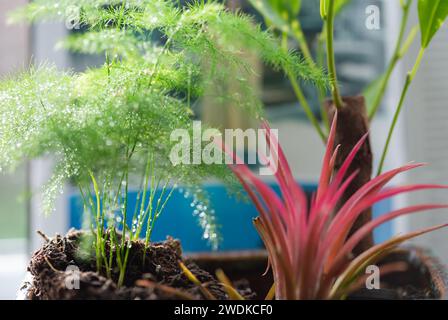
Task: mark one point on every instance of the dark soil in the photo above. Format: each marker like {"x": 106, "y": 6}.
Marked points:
{"x": 158, "y": 277}
{"x": 161, "y": 277}
{"x": 425, "y": 278}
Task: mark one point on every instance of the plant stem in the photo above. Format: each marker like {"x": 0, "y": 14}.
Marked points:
{"x": 394, "y": 122}
{"x": 149, "y": 211}
{"x": 300, "y": 37}
{"x": 123, "y": 237}
{"x": 154, "y": 215}
{"x": 301, "y": 97}
{"x": 321, "y": 92}
{"x": 99, "y": 232}
{"x": 110, "y": 260}
{"x": 160, "y": 207}
{"x": 395, "y": 58}
{"x": 143, "y": 200}
{"x": 383, "y": 87}
{"x": 306, "y": 107}
{"x": 86, "y": 203}
{"x": 337, "y": 100}
{"x": 417, "y": 64}
{"x": 105, "y": 199}
{"x": 409, "y": 78}
{"x": 125, "y": 208}
{"x": 125, "y": 263}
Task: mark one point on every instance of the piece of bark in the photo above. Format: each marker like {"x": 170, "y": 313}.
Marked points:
{"x": 352, "y": 125}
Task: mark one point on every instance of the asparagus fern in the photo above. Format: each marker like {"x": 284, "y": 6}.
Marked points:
{"x": 109, "y": 128}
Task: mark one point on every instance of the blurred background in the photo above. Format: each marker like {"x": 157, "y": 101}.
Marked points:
{"x": 361, "y": 55}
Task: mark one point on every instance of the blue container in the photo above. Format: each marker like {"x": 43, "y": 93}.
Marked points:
{"x": 233, "y": 216}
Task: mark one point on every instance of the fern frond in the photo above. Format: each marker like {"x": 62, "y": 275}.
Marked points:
{"x": 160, "y": 60}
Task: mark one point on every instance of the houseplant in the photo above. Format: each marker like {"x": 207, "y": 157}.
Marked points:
{"x": 109, "y": 128}
{"x": 310, "y": 248}
{"x": 355, "y": 113}
{"x": 109, "y": 32}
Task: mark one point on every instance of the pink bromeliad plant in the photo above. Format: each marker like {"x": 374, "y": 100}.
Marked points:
{"x": 309, "y": 247}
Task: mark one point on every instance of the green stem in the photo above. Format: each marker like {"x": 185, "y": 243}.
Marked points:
{"x": 395, "y": 58}
{"x": 394, "y": 123}
{"x": 383, "y": 87}
{"x": 125, "y": 208}
{"x": 103, "y": 226}
{"x": 149, "y": 211}
{"x": 306, "y": 107}
{"x": 125, "y": 263}
{"x": 143, "y": 200}
{"x": 285, "y": 41}
{"x": 145, "y": 212}
{"x": 150, "y": 208}
{"x": 86, "y": 203}
{"x": 108, "y": 66}
{"x": 409, "y": 78}
{"x": 153, "y": 216}
{"x": 99, "y": 232}
{"x": 337, "y": 100}
{"x": 123, "y": 237}
{"x": 113, "y": 233}
{"x": 159, "y": 209}
{"x": 111, "y": 254}
{"x": 418, "y": 62}
{"x": 301, "y": 97}
{"x": 321, "y": 92}
{"x": 300, "y": 37}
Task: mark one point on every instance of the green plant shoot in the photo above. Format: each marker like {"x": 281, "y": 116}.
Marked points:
{"x": 108, "y": 129}
{"x": 432, "y": 15}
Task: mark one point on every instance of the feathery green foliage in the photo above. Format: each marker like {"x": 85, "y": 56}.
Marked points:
{"x": 109, "y": 127}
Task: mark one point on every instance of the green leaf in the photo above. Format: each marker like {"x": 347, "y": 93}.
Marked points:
{"x": 323, "y": 9}
{"x": 269, "y": 12}
{"x": 372, "y": 91}
{"x": 295, "y": 6}
{"x": 338, "y": 6}
{"x": 291, "y": 7}
{"x": 371, "y": 256}
{"x": 432, "y": 14}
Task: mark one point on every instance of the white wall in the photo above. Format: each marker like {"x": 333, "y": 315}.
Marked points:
{"x": 425, "y": 136}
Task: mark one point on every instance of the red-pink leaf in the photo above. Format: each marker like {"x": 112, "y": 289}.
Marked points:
{"x": 373, "y": 255}
{"x": 370, "y": 226}
{"x": 327, "y": 170}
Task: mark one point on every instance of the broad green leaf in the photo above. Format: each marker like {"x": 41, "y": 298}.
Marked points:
{"x": 265, "y": 7}
{"x": 432, "y": 14}
{"x": 372, "y": 91}
{"x": 338, "y": 6}
{"x": 295, "y": 6}
{"x": 292, "y": 7}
